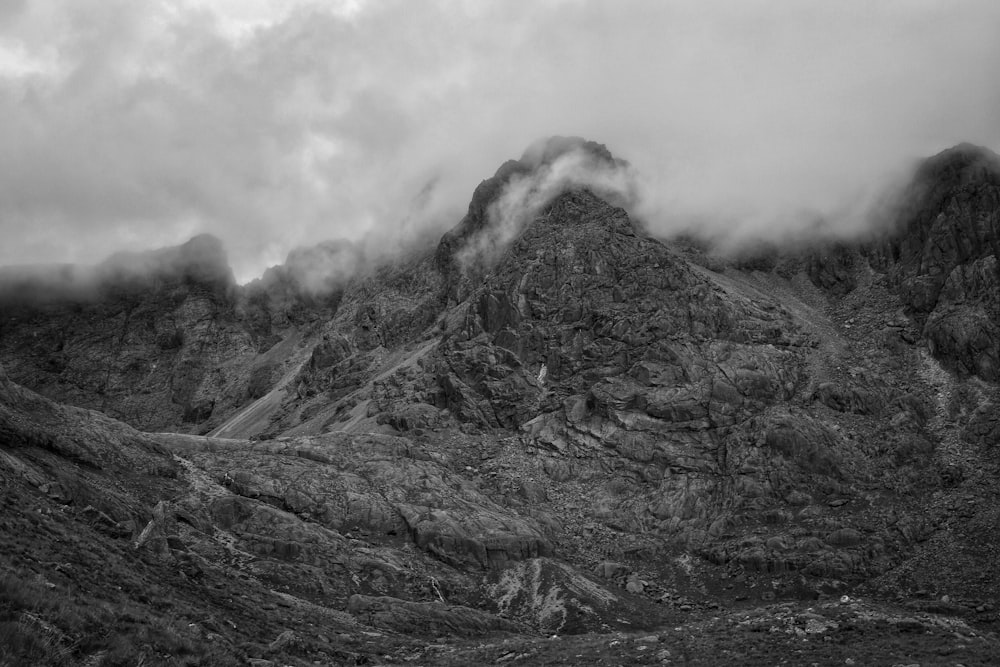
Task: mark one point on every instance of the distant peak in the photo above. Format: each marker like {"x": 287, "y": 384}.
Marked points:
{"x": 550, "y": 149}
{"x": 200, "y": 259}
{"x": 203, "y": 243}
{"x": 315, "y": 270}
{"x": 961, "y": 164}
{"x": 204, "y": 251}
{"x": 502, "y": 204}
{"x": 966, "y": 151}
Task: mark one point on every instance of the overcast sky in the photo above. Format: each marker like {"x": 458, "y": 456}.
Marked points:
{"x": 131, "y": 124}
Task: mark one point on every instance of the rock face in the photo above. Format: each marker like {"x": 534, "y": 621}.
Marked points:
{"x": 427, "y": 618}
{"x": 383, "y": 486}
{"x": 161, "y": 340}
{"x": 942, "y": 256}
{"x": 471, "y": 247}
{"x": 81, "y": 458}
{"x": 604, "y": 348}
{"x": 577, "y": 428}
{"x": 143, "y": 346}
{"x": 554, "y": 597}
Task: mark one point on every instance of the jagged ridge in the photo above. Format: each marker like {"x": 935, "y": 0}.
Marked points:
{"x": 592, "y": 400}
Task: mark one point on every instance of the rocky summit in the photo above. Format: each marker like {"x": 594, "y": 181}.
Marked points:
{"x": 550, "y": 439}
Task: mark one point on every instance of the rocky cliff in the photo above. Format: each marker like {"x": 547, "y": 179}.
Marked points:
{"x": 574, "y": 427}
{"x": 941, "y": 255}
{"x": 161, "y": 340}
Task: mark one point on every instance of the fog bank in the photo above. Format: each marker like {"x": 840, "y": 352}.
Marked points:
{"x": 131, "y": 125}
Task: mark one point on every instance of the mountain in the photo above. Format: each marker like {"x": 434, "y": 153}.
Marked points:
{"x": 162, "y": 340}
{"x": 549, "y": 423}
{"x": 942, "y": 258}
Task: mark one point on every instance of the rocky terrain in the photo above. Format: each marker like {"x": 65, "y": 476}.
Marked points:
{"x": 571, "y": 443}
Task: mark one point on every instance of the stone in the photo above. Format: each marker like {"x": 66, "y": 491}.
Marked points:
{"x": 533, "y": 492}
{"x": 552, "y": 596}
{"x": 286, "y": 642}
{"x": 635, "y": 585}
{"x": 432, "y": 619}
{"x": 611, "y": 570}
{"x": 844, "y": 537}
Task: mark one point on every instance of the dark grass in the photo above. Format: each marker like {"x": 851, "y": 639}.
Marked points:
{"x": 48, "y": 624}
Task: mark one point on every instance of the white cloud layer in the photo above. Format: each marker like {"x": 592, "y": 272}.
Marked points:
{"x": 131, "y": 124}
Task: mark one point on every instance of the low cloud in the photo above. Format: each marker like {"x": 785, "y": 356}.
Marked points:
{"x": 130, "y": 125}
{"x": 320, "y": 269}
{"x": 525, "y": 194}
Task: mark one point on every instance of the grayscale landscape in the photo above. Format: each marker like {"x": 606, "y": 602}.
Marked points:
{"x": 386, "y": 333}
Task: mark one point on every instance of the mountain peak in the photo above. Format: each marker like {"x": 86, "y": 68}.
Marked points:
{"x": 201, "y": 259}
{"x": 521, "y": 189}
{"x": 959, "y": 165}
{"x": 549, "y": 149}
{"x": 582, "y": 205}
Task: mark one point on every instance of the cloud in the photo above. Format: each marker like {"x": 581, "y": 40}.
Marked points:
{"x": 129, "y": 125}
{"x": 547, "y": 169}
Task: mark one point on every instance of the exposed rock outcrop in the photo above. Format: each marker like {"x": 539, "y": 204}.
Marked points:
{"x": 447, "y": 444}
{"x": 432, "y": 619}
{"x": 942, "y": 255}
{"x": 163, "y": 339}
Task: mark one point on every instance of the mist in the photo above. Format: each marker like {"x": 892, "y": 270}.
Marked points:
{"x": 273, "y": 126}
{"x": 526, "y": 193}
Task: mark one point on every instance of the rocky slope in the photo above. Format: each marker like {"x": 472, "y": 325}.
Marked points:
{"x": 584, "y": 430}
{"x": 161, "y": 340}
{"x": 240, "y": 551}
{"x": 942, "y": 258}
